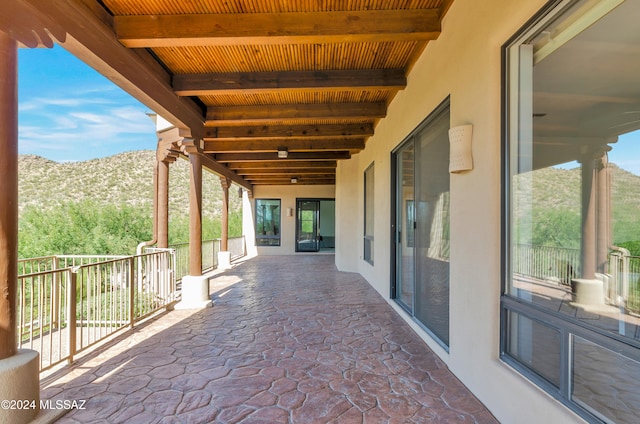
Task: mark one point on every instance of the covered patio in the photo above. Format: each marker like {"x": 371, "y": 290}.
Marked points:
{"x": 279, "y": 345}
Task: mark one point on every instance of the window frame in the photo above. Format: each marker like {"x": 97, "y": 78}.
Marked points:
{"x": 277, "y": 236}
{"x": 412, "y": 138}
{"x": 369, "y": 214}
{"x": 569, "y": 328}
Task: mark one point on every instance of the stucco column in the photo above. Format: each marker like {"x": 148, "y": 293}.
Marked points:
{"x": 588, "y": 290}
{"x": 604, "y": 214}
{"x": 224, "y": 256}
{"x": 588, "y": 226}
{"x": 163, "y": 204}
{"x": 8, "y": 194}
{"x": 195, "y": 214}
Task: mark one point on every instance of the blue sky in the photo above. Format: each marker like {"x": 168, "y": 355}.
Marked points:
{"x": 626, "y": 152}
{"x": 69, "y": 112}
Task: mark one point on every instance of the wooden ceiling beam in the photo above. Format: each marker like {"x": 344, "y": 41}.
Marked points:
{"x": 289, "y": 132}
{"x": 220, "y": 169}
{"x": 299, "y": 182}
{"x": 262, "y": 82}
{"x": 261, "y": 114}
{"x": 253, "y": 178}
{"x": 149, "y": 31}
{"x": 286, "y": 171}
{"x": 280, "y": 164}
{"x": 235, "y": 146}
{"x": 256, "y": 157}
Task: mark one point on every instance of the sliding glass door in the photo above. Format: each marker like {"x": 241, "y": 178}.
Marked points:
{"x": 421, "y": 224}
{"x": 405, "y": 221}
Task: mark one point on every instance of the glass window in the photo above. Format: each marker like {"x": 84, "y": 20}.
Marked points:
{"x": 267, "y": 222}
{"x": 613, "y": 398}
{"x": 369, "y": 207}
{"x": 535, "y": 345}
{"x": 405, "y": 222}
{"x": 573, "y": 198}
{"x": 421, "y": 221}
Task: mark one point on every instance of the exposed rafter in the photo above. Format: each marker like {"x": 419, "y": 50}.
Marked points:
{"x": 306, "y": 177}
{"x": 262, "y": 82}
{"x": 287, "y": 132}
{"x": 304, "y": 156}
{"x": 286, "y": 171}
{"x": 299, "y": 181}
{"x": 282, "y": 164}
{"x": 296, "y": 145}
{"x": 277, "y": 28}
{"x": 225, "y": 172}
{"x": 262, "y": 114}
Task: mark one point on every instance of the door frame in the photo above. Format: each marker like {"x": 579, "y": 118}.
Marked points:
{"x": 318, "y": 223}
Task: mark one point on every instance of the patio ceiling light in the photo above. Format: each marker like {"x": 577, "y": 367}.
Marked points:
{"x": 282, "y": 152}
{"x": 294, "y": 180}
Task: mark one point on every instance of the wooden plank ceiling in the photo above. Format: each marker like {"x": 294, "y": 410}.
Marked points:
{"x": 309, "y": 77}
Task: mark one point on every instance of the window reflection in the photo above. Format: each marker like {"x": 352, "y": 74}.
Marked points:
{"x": 574, "y": 205}
{"x": 613, "y": 398}
{"x": 575, "y": 187}
{"x": 267, "y": 222}
{"x": 535, "y": 345}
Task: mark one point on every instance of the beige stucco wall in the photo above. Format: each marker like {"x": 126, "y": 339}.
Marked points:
{"x": 288, "y": 195}
{"x": 465, "y": 64}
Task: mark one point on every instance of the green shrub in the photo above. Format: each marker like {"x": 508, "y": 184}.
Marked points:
{"x": 87, "y": 228}
{"x": 82, "y": 228}
{"x": 632, "y": 246}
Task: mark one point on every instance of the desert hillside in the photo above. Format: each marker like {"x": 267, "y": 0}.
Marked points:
{"x": 126, "y": 178}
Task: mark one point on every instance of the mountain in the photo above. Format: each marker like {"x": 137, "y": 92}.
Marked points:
{"x": 554, "y": 191}
{"x": 126, "y": 178}
{"x": 560, "y": 188}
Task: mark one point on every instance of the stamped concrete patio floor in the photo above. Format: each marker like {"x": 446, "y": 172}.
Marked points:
{"x": 289, "y": 340}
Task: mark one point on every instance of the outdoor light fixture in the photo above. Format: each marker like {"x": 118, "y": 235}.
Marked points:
{"x": 294, "y": 180}
{"x": 460, "y": 158}
{"x": 282, "y": 152}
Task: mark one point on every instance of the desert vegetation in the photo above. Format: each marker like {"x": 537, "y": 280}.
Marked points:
{"x": 104, "y": 206}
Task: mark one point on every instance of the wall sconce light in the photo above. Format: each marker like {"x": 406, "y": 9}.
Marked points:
{"x": 460, "y": 158}
{"x": 282, "y": 152}
{"x": 289, "y": 211}
{"x": 294, "y": 180}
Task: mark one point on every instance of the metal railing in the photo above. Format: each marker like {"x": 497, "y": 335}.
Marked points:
{"x": 561, "y": 265}
{"x": 62, "y": 312}
{"x": 237, "y": 246}
{"x": 35, "y": 265}
{"x": 68, "y": 303}
{"x": 182, "y": 259}
{"x": 210, "y": 249}
{"x": 556, "y": 264}
{"x": 623, "y": 289}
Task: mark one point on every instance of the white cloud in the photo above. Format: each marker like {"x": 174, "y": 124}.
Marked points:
{"x": 72, "y": 113}
{"x": 89, "y": 118}
{"x": 72, "y": 125}
{"x": 44, "y": 103}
